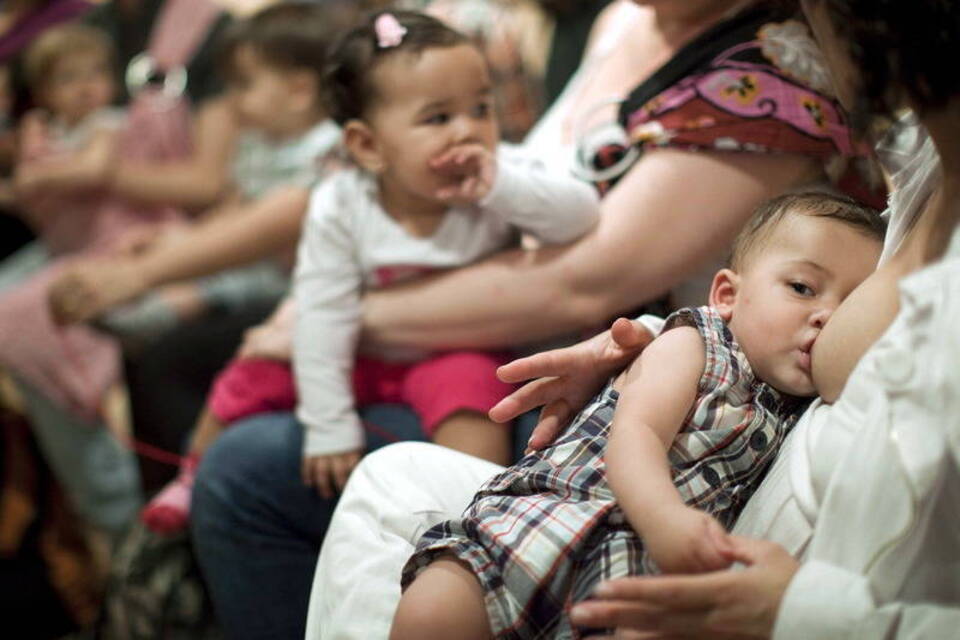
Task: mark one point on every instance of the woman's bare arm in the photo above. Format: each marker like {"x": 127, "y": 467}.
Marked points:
{"x": 254, "y": 231}
{"x": 673, "y": 211}
{"x": 197, "y": 182}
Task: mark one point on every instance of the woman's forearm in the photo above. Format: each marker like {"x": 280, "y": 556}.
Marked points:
{"x": 185, "y": 185}
{"x": 252, "y": 232}
{"x": 196, "y": 182}
{"x": 654, "y": 231}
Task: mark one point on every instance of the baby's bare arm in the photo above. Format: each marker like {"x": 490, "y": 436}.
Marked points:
{"x": 656, "y": 393}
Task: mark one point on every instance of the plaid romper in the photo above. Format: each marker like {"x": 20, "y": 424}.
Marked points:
{"x": 543, "y": 533}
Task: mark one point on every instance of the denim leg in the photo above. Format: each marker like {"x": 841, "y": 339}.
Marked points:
{"x": 257, "y": 528}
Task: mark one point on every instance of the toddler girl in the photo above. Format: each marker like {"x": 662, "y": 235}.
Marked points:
{"x": 430, "y": 190}
{"x": 69, "y": 71}
{"x": 650, "y": 473}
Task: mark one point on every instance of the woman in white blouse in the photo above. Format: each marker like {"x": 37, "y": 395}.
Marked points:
{"x": 865, "y": 491}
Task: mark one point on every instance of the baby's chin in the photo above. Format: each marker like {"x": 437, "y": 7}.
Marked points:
{"x": 798, "y": 384}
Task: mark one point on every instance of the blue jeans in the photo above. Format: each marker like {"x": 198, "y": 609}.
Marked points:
{"x": 257, "y": 528}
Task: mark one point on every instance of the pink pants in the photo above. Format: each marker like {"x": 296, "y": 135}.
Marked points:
{"x": 434, "y": 388}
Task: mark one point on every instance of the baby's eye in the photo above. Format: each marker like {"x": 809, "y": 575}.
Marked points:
{"x": 801, "y": 289}
{"x": 438, "y": 118}
{"x": 482, "y": 110}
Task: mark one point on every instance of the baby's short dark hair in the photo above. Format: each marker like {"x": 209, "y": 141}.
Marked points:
{"x": 288, "y": 36}
{"x": 768, "y": 215}
{"x": 349, "y": 88}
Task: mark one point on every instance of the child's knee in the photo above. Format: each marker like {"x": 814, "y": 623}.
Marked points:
{"x": 445, "y": 601}
{"x": 414, "y": 618}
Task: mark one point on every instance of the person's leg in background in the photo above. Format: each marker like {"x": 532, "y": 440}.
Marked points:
{"x": 393, "y": 497}
{"x": 452, "y": 393}
{"x": 169, "y": 380}
{"x": 98, "y": 473}
{"x": 257, "y": 528}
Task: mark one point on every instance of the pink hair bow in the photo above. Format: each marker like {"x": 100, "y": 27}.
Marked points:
{"x": 389, "y": 31}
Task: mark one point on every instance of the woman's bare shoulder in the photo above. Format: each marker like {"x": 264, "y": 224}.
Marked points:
{"x": 609, "y": 24}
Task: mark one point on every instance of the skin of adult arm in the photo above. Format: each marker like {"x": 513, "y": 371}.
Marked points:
{"x": 654, "y": 230}
{"x": 195, "y": 183}
{"x": 254, "y": 231}
{"x": 656, "y": 394}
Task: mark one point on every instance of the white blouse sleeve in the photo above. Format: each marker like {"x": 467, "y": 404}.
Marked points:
{"x": 825, "y": 602}
{"x": 327, "y": 287}
{"x": 884, "y": 552}
{"x": 553, "y": 207}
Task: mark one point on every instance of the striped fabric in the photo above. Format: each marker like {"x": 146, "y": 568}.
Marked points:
{"x": 543, "y": 533}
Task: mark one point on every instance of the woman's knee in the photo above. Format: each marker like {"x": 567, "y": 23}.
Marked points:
{"x": 246, "y": 459}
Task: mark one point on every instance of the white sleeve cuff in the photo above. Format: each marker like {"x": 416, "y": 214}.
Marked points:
{"x": 328, "y": 441}
{"x": 823, "y": 602}
{"x": 653, "y": 323}
{"x": 507, "y": 183}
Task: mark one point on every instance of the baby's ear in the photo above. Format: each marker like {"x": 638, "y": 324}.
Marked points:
{"x": 361, "y": 143}
{"x": 723, "y": 292}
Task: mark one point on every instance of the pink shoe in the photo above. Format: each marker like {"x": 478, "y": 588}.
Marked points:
{"x": 169, "y": 511}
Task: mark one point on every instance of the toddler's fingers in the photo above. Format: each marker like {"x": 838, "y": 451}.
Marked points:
{"x": 341, "y": 468}
{"x": 446, "y": 194}
{"x": 470, "y": 187}
{"x": 320, "y": 477}
{"x": 306, "y": 472}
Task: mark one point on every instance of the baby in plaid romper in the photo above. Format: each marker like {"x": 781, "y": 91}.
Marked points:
{"x": 651, "y": 473}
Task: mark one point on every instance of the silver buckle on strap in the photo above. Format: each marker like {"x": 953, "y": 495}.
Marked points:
{"x": 143, "y": 72}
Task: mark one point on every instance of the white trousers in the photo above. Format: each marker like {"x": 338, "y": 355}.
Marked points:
{"x": 400, "y": 491}
{"x": 393, "y": 496}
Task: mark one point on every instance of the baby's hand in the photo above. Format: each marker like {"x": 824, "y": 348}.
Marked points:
{"x": 328, "y": 474}
{"x": 471, "y": 167}
{"x": 689, "y": 541}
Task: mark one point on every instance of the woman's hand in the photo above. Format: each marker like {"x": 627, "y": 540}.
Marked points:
{"x": 729, "y": 604}
{"x": 94, "y": 286}
{"x": 567, "y": 378}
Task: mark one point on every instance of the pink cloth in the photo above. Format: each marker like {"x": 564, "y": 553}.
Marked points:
{"x": 434, "y": 388}
{"x": 74, "y": 366}
{"x": 251, "y": 386}
{"x": 156, "y": 130}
